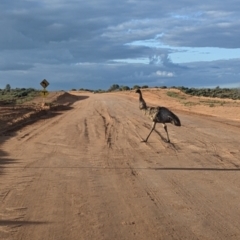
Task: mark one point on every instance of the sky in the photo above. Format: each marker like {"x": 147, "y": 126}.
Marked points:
{"x": 97, "y": 43}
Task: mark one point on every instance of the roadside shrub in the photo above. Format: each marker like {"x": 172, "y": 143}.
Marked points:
{"x": 125, "y": 88}
{"x": 233, "y": 93}
{"x": 136, "y": 87}
{"x": 114, "y": 87}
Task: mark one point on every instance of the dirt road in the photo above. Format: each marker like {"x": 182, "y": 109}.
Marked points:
{"x": 84, "y": 174}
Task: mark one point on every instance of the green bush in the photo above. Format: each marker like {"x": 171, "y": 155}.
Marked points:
{"x": 136, "y": 87}
{"x": 17, "y": 95}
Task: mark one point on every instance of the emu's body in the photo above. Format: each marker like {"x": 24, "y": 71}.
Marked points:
{"x": 157, "y": 115}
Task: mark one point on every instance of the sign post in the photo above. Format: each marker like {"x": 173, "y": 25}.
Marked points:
{"x": 44, "y": 83}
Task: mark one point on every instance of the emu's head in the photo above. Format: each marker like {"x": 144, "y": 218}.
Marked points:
{"x": 138, "y": 91}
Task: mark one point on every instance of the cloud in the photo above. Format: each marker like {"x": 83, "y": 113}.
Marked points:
{"x": 93, "y": 44}
{"x": 164, "y": 74}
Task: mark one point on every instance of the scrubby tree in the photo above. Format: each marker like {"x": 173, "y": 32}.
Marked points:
{"x": 136, "y": 87}
{"x": 8, "y": 88}
{"x": 114, "y": 87}
{"x": 125, "y": 88}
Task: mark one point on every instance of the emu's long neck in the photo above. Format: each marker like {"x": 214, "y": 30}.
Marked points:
{"x": 148, "y": 111}
{"x": 142, "y": 103}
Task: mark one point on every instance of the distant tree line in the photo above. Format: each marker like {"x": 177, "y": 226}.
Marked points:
{"x": 232, "y": 93}
{"x": 8, "y": 93}
{"x": 112, "y": 88}
{"x": 116, "y": 87}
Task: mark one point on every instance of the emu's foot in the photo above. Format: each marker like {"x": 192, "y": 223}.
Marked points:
{"x": 144, "y": 141}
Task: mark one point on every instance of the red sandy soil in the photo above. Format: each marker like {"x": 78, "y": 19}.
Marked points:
{"x": 82, "y": 172}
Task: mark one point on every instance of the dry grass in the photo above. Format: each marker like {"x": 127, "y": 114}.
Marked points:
{"x": 179, "y": 101}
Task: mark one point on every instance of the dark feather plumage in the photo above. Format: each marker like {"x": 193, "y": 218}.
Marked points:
{"x": 164, "y": 115}
{"x": 158, "y": 115}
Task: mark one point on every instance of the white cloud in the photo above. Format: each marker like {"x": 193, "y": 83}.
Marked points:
{"x": 94, "y": 44}
{"x": 164, "y": 74}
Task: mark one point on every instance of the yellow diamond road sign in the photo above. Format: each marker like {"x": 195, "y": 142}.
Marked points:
{"x": 44, "y": 93}
{"x": 44, "y": 83}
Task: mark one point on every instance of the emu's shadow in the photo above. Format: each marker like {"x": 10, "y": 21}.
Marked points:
{"x": 164, "y": 140}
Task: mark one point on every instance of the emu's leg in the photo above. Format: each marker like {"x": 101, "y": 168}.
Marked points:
{"x": 165, "y": 128}
{"x": 153, "y": 127}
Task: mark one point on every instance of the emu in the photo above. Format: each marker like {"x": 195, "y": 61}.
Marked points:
{"x": 157, "y": 115}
